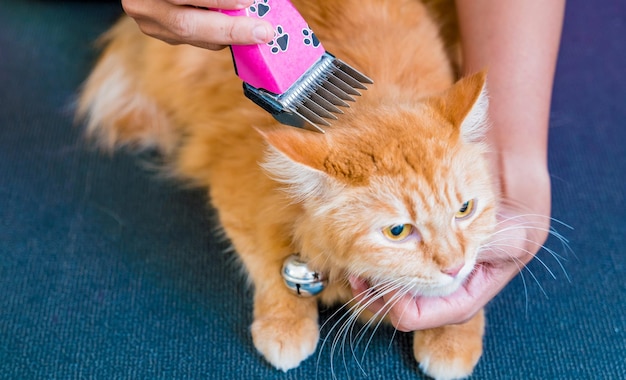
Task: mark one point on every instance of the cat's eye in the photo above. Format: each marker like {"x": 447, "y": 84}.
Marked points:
{"x": 466, "y": 210}
{"x": 397, "y": 232}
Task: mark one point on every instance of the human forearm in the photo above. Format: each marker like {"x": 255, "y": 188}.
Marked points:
{"x": 517, "y": 40}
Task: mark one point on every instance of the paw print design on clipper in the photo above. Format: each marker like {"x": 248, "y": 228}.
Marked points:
{"x": 260, "y": 7}
{"x": 280, "y": 43}
{"x": 310, "y": 39}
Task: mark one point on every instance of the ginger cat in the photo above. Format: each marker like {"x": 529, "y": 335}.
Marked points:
{"x": 396, "y": 192}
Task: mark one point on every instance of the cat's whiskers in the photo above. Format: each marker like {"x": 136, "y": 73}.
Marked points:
{"x": 521, "y": 266}
{"x": 529, "y": 253}
{"x": 507, "y": 229}
{"x": 344, "y": 327}
{"x": 400, "y": 289}
{"x": 550, "y": 231}
{"x": 348, "y": 314}
{"x": 533, "y": 225}
{"x": 380, "y": 318}
{"x": 371, "y": 295}
{"x": 527, "y": 220}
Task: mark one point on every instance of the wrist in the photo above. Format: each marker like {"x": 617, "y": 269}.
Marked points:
{"x": 523, "y": 181}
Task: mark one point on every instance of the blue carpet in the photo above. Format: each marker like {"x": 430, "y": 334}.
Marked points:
{"x": 108, "y": 272}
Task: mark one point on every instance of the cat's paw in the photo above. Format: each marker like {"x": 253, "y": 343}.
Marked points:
{"x": 450, "y": 352}
{"x": 285, "y": 343}
{"x": 446, "y": 359}
{"x": 446, "y": 368}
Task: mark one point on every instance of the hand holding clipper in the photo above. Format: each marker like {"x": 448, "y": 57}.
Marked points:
{"x": 293, "y": 77}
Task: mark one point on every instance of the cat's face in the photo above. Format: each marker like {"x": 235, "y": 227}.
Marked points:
{"x": 399, "y": 194}
{"x": 422, "y": 232}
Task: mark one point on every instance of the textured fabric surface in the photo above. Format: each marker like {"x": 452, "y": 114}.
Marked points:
{"x": 108, "y": 272}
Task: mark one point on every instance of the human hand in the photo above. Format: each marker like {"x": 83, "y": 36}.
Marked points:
{"x": 523, "y": 225}
{"x": 192, "y": 22}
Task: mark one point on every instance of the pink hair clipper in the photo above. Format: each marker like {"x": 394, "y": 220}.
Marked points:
{"x": 293, "y": 77}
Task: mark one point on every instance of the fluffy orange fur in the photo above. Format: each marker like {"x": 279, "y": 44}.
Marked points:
{"x": 407, "y": 152}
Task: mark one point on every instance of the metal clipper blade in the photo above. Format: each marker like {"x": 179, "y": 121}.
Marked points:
{"x": 313, "y": 100}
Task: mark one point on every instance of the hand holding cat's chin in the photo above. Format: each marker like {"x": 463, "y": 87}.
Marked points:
{"x": 518, "y": 237}
{"x": 413, "y": 313}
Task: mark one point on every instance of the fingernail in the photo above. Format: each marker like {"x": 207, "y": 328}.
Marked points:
{"x": 261, "y": 33}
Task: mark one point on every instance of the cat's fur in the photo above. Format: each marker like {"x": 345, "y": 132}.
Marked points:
{"x": 408, "y": 151}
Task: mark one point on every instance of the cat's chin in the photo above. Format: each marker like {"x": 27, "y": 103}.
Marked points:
{"x": 427, "y": 290}
{"x": 439, "y": 291}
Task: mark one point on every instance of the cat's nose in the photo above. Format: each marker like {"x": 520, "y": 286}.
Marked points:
{"x": 453, "y": 270}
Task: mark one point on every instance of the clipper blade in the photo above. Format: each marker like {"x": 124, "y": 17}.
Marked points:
{"x": 314, "y": 99}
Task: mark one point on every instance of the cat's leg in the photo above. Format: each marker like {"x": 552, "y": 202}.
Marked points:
{"x": 450, "y": 352}
{"x": 285, "y": 328}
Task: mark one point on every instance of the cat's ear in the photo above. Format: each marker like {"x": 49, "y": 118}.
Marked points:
{"x": 465, "y": 105}
{"x": 296, "y": 158}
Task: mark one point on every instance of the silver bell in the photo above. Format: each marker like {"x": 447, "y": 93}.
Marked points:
{"x": 300, "y": 279}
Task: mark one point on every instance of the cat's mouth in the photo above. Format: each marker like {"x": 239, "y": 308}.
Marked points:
{"x": 415, "y": 281}
{"x": 413, "y": 286}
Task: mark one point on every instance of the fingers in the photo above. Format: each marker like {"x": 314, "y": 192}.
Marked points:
{"x": 401, "y": 309}
{"x": 178, "y": 23}
{"x": 362, "y": 295}
{"x": 216, "y": 4}
{"x": 422, "y": 313}
{"x": 407, "y": 313}
{"x": 207, "y": 28}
